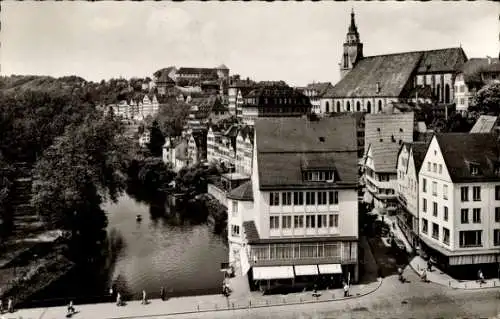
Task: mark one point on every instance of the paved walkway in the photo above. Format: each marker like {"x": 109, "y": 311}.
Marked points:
{"x": 418, "y": 264}
{"x": 193, "y": 304}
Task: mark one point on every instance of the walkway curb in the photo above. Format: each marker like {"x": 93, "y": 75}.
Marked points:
{"x": 451, "y": 287}
{"x": 252, "y": 307}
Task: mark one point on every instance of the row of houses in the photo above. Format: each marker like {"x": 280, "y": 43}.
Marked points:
{"x": 135, "y": 109}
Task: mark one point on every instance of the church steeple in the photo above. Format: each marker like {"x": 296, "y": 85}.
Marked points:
{"x": 353, "y": 48}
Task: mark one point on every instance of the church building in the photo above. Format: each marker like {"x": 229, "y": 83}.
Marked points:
{"x": 369, "y": 84}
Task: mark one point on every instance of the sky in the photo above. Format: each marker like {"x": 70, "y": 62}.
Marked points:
{"x": 298, "y": 42}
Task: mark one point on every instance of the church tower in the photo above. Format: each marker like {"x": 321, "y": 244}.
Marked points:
{"x": 353, "y": 49}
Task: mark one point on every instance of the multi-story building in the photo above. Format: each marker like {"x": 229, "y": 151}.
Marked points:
{"x": 221, "y": 147}
{"x": 474, "y": 74}
{"x": 274, "y": 99}
{"x": 299, "y": 216}
{"x": 315, "y": 91}
{"x": 409, "y": 161}
{"x": 244, "y": 150}
{"x": 238, "y": 89}
{"x": 136, "y": 109}
{"x": 460, "y": 202}
{"x": 369, "y": 84}
{"x": 384, "y": 135}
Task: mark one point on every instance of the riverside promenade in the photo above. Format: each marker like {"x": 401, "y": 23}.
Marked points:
{"x": 193, "y": 304}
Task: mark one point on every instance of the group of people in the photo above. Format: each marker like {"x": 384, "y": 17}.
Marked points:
{"x": 144, "y": 300}
{"x": 10, "y": 306}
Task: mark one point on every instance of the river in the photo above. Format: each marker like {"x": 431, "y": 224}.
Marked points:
{"x": 156, "y": 252}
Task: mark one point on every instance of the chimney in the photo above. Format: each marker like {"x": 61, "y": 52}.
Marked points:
{"x": 489, "y": 59}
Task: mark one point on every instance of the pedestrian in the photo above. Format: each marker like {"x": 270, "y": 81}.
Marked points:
{"x": 346, "y": 290}
{"x": 400, "y": 273}
{"x": 429, "y": 265}
{"x": 424, "y": 275}
{"x": 71, "y": 309}
{"x": 118, "y": 299}
{"x": 162, "y": 294}
{"x": 144, "y": 300}
{"x": 480, "y": 276}
{"x": 111, "y": 291}
{"x": 10, "y": 305}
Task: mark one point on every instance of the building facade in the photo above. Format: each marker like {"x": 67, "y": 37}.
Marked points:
{"x": 315, "y": 91}
{"x": 303, "y": 220}
{"x": 410, "y": 159}
{"x": 460, "y": 202}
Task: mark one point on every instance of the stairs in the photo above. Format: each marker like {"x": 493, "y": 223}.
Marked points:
{"x": 25, "y": 220}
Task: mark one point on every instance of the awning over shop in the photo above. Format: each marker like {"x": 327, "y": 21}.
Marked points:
{"x": 306, "y": 270}
{"x": 268, "y": 273}
{"x": 330, "y": 269}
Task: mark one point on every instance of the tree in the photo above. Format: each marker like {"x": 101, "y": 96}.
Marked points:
{"x": 172, "y": 117}
{"x": 487, "y": 99}
{"x": 84, "y": 167}
{"x": 157, "y": 140}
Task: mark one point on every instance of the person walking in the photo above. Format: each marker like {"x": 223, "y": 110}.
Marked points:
{"x": 71, "y": 309}
{"x": 10, "y": 305}
{"x": 400, "y": 273}
{"x": 162, "y": 294}
{"x": 480, "y": 276}
{"x": 144, "y": 300}
{"x": 429, "y": 265}
{"x": 118, "y": 299}
{"x": 346, "y": 290}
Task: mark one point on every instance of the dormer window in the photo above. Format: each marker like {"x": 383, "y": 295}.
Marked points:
{"x": 318, "y": 176}
{"x": 474, "y": 169}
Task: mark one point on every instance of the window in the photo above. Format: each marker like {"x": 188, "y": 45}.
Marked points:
{"x": 476, "y": 215}
{"x": 321, "y": 198}
{"x": 286, "y": 222}
{"x": 435, "y": 231}
{"x": 476, "y": 193}
{"x": 311, "y": 221}
{"x": 274, "y": 222}
{"x": 434, "y": 188}
{"x": 333, "y": 220}
{"x": 434, "y": 167}
{"x": 445, "y": 213}
{"x": 474, "y": 169}
{"x": 440, "y": 168}
{"x": 464, "y": 193}
{"x": 445, "y": 191}
{"x": 470, "y": 238}
{"x": 298, "y": 198}
{"x": 428, "y": 166}
{"x": 310, "y": 198}
{"x": 434, "y": 209}
{"x": 424, "y": 205}
{"x": 333, "y": 198}
{"x": 497, "y": 192}
{"x": 497, "y": 214}
{"x": 496, "y": 237}
{"x": 424, "y": 225}
{"x": 322, "y": 221}
{"x": 235, "y": 208}
{"x": 464, "y": 216}
{"x": 286, "y": 198}
{"x": 298, "y": 221}
{"x": 424, "y": 185}
{"x": 235, "y": 230}
{"x": 446, "y": 236}
{"x": 274, "y": 199}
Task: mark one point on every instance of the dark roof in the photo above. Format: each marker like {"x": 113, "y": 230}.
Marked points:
{"x": 204, "y": 71}
{"x": 253, "y": 237}
{"x": 393, "y": 72}
{"x": 381, "y": 128}
{"x": 385, "y": 156}
{"x": 460, "y": 150}
{"x": 287, "y": 145}
{"x": 419, "y": 149}
{"x": 320, "y": 87}
{"x": 473, "y": 68}
{"x": 243, "y": 192}
{"x": 223, "y": 67}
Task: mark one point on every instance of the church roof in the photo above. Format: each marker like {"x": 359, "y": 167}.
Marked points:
{"x": 387, "y": 75}
{"x": 484, "y": 124}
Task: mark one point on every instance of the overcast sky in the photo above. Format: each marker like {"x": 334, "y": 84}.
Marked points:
{"x": 296, "y": 42}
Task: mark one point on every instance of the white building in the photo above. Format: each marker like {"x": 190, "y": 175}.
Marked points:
{"x": 221, "y": 146}
{"x": 384, "y": 135}
{"x": 410, "y": 159}
{"x": 460, "y": 202}
{"x": 315, "y": 91}
{"x": 244, "y": 150}
{"x": 144, "y": 138}
{"x": 303, "y": 217}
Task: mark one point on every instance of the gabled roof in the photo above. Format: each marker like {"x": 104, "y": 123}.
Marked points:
{"x": 243, "y": 192}
{"x": 320, "y": 87}
{"x": 387, "y": 129}
{"x": 222, "y": 67}
{"x": 419, "y": 149}
{"x": 393, "y": 72}
{"x": 181, "y": 150}
{"x": 460, "y": 150}
{"x": 473, "y": 68}
{"x": 384, "y": 156}
{"x": 484, "y": 124}
{"x": 286, "y": 146}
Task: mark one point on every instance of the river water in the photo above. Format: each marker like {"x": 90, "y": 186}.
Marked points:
{"x": 157, "y": 252}
{"x": 183, "y": 259}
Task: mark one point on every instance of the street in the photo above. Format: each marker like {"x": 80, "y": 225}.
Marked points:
{"x": 393, "y": 300}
